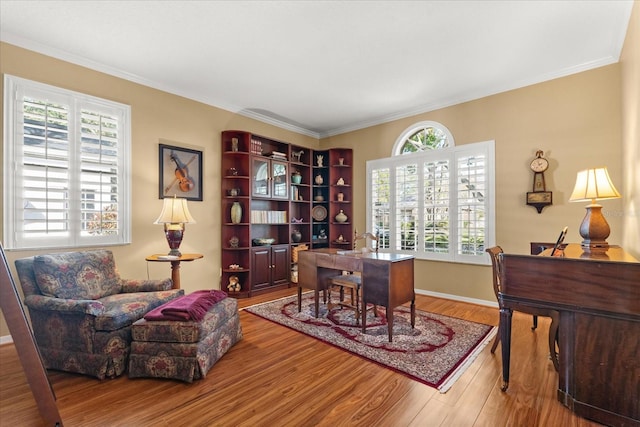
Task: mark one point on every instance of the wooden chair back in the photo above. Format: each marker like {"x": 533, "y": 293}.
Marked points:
{"x": 496, "y": 263}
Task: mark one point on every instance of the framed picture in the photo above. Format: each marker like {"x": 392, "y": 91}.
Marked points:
{"x": 180, "y": 173}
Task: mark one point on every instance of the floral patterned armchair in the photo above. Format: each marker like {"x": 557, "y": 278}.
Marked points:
{"x": 81, "y": 310}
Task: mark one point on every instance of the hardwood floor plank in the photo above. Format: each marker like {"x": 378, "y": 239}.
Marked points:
{"x": 278, "y": 377}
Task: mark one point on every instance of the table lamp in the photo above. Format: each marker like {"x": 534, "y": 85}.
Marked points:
{"x": 175, "y": 214}
{"x": 591, "y": 185}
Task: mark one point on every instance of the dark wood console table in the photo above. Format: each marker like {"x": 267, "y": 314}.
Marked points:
{"x": 387, "y": 278}
{"x": 598, "y": 297}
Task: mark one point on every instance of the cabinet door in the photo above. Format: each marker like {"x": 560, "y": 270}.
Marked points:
{"x": 260, "y": 177}
{"x": 260, "y": 267}
{"x": 280, "y": 175}
{"x": 281, "y": 264}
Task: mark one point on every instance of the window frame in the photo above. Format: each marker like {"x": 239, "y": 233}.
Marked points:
{"x": 411, "y": 130}
{"x": 451, "y": 153}
{"x": 15, "y": 89}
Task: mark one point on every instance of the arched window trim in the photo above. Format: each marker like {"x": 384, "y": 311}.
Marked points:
{"x": 402, "y": 139}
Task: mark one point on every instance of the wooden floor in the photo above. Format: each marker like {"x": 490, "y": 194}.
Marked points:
{"x": 278, "y": 377}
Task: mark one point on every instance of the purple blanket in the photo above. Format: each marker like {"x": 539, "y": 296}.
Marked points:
{"x": 192, "y": 307}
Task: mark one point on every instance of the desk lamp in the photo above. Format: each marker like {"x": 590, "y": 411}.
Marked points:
{"x": 591, "y": 185}
{"x": 175, "y": 214}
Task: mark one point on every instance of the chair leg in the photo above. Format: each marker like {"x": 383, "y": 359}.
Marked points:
{"x": 535, "y": 323}
{"x": 496, "y": 340}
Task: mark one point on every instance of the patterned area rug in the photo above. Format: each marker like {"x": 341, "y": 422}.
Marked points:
{"x": 435, "y": 353}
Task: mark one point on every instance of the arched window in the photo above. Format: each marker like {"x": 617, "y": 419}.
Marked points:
{"x": 423, "y": 136}
{"x": 432, "y": 199}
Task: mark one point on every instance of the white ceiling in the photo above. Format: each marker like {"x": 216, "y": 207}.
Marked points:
{"x": 325, "y": 67}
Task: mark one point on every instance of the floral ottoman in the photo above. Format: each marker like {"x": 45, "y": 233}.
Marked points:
{"x": 184, "y": 350}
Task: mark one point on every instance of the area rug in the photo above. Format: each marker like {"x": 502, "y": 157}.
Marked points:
{"x": 436, "y": 352}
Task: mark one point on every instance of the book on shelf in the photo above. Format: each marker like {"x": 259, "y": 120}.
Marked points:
{"x": 295, "y": 193}
{"x": 268, "y": 217}
{"x": 278, "y": 155}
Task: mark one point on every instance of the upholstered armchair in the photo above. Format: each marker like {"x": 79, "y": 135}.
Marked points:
{"x": 81, "y": 310}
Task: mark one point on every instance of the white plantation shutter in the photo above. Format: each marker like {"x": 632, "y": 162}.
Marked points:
{"x": 381, "y": 207}
{"x": 406, "y": 208}
{"x": 437, "y": 201}
{"x": 472, "y": 209}
{"x": 67, "y": 154}
{"x": 436, "y": 204}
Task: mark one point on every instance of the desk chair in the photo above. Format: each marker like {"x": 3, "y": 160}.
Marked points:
{"x": 349, "y": 280}
{"x": 496, "y": 263}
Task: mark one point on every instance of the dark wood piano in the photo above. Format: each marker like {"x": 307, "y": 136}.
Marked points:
{"x": 598, "y": 297}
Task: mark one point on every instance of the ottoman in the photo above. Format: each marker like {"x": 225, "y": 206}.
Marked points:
{"x": 184, "y": 350}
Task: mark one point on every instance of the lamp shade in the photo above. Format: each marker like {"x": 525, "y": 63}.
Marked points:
{"x": 175, "y": 211}
{"x": 593, "y": 184}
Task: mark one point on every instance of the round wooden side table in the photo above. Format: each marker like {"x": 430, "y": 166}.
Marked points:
{"x": 175, "y": 264}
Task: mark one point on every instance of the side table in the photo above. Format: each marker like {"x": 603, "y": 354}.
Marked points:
{"x": 175, "y": 264}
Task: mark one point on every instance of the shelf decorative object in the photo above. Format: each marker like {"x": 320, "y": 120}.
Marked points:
{"x": 234, "y": 284}
{"x": 296, "y": 236}
{"x": 319, "y": 180}
{"x": 341, "y": 217}
{"x": 296, "y": 178}
{"x": 319, "y": 213}
{"x": 236, "y": 213}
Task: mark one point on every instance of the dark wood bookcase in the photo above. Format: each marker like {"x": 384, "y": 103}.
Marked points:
{"x": 258, "y": 174}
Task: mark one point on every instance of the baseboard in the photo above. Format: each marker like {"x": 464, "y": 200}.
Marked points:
{"x": 458, "y": 298}
{"x": 6, "y": 340}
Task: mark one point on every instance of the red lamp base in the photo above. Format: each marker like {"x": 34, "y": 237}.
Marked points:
{"x": 174, "y": 234}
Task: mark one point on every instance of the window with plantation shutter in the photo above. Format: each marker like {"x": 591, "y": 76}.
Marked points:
{"x": 67, "y": 168}
{"x": 432, "y": 199}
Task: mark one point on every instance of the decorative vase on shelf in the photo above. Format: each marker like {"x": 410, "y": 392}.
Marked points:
{"x": 236, "y": 213}
{"x": 341, "y": 217}
{"x": 296, "y": 236}
{"x": 296, "y": 178}
{"x": 319, "y": 179}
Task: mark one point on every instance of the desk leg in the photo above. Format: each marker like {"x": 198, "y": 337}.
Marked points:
{"x": 553, "y": 338}
{"x": 175, "y": 274}
{"x": 390, "y": 322}
{"x": 413, "y": 313}
{"x": 505, "y": 321}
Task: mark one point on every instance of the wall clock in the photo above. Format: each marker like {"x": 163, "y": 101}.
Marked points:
{"x": 539, "y": 197}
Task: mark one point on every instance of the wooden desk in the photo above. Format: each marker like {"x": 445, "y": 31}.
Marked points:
{"x": 387, "y": 279}
{"x": 175, "y": 265}
{"x": 598, "y": 297}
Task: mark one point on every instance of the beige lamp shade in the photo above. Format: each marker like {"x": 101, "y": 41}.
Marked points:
{"x": 175, "y": 211}
{"x": 593, "y": 184}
